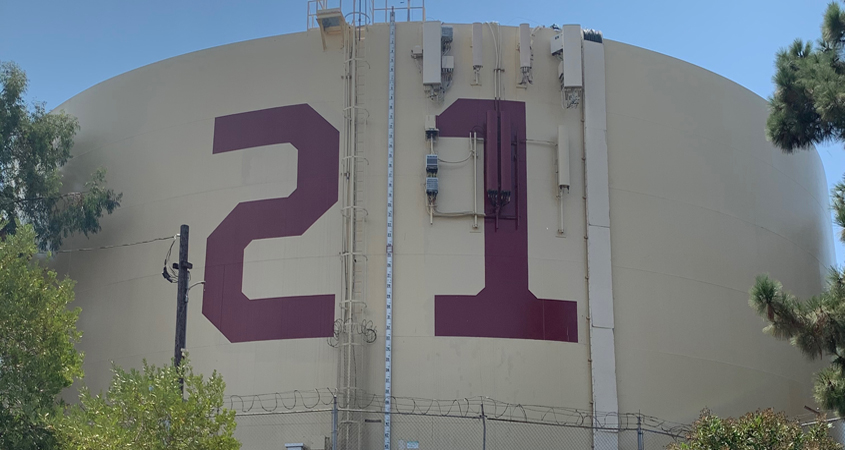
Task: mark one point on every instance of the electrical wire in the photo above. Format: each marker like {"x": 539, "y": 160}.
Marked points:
{"x": 168, "y": 273}
{"x": 439, "y": 213}
{"x": 455, "y": 162}
{"x": 105, "y": 247}
{"x": 495, "y": 43}
{"x": 497, "y": 81}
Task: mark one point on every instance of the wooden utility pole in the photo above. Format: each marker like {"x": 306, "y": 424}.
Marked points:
{"x": 182, "y": 295}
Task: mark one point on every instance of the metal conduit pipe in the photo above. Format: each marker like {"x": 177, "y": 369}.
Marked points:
{"x": 432, "y": 209}
{"x": 560, "y": 189}
{"x": 474, "y": 145}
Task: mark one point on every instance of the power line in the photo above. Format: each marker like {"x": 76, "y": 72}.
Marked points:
{"x": 105, "y": 247}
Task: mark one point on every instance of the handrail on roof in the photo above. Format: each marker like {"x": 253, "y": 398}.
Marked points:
{"x": 369, "y": 14}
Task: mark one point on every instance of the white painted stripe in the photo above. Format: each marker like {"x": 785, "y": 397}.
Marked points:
{"x": 600, "y": 285}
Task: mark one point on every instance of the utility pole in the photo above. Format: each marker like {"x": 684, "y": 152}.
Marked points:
{"x": 182, "y": 296}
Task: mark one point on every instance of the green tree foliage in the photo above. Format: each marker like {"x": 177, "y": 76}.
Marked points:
{"x": 146, "y": 410}
{"x": 37, "y": 338}
{"x": 34, "y": 145}
{"x": 816, "y": 326}
{"x": 755, "y": 431}
{"x": 808, "y": 107}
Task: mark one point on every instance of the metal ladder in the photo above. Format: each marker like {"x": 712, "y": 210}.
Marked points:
{"x": 351, "y": 332}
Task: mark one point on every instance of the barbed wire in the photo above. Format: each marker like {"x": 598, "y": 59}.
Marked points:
{"x": 472, "y": 407}
{"x": 366, "y": 329}
{"x": 294, "y": 401}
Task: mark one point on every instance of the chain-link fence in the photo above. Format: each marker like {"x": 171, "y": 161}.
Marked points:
{"x": 314, "y": 419}
{"x": 835, "y": 426}
{"x": 837, "y": 430}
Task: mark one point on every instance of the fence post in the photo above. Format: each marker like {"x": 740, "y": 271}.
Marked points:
{"x": 640, "y": 443}
{"x": 483, "y": 428}
{"x": 334, "y": 422}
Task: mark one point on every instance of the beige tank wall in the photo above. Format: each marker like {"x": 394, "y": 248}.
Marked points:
{"x": 448, "y": 257}
{"x": 699, "y": 205}
{"x": 152, "y": 128}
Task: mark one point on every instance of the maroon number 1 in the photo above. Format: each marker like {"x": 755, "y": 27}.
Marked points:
{"x": 505, "y": 307}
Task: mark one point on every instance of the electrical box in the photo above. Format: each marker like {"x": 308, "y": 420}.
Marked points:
{"x": 431, "y": 52}
{"x": 477, "y": 40}
{"x": 431, "y": 186}
{"x": 430, "y": 122}
{"x": 431, "y": 126}
{"x": 524, "y": 45}
{"x": 572, "y": 56}
{"x": 416, "y": 52}
{"x": 431, "y": 164}
{"x": 447, "y": 64}
{"x": 557, "y": 44}
{"x": 446, "y": 35}
{"x": 562, "y": 158}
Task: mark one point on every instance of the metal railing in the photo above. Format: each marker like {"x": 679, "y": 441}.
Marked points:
{"x": 411, "y": 12}
{"x": 313, "y": 7}
{"x": 311, "y": 417}
{"x": 366, "y": 12}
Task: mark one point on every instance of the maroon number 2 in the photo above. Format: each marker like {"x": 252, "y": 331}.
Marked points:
{"x": 239, "y": 318}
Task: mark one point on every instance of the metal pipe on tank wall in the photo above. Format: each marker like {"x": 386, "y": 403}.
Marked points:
{"x": 474, "y": 144}
{"x": 560, "y": 229}
{"x": 431, "y": 206}
{"x": 500, "y": 94}
{"x": 560, "y": 189}
{"x": 351, "y": 229}
{"x": 497, "y": 69}
{"x": 430, "y": 200}
{"x": 491, "y": 157}
{"x": 505, "y": 159}
{"x": 563, "y": 178}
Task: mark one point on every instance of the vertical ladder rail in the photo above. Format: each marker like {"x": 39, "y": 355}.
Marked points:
{"x": 388, "y": 328}
{"x": 353, "y": 257}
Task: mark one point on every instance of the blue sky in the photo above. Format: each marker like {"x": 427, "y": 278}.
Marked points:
{"x": 66, "y": 47}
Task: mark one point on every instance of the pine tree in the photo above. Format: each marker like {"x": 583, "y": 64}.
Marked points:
{"x": 816, "y": 326}
{"x": 808, "y": 107}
